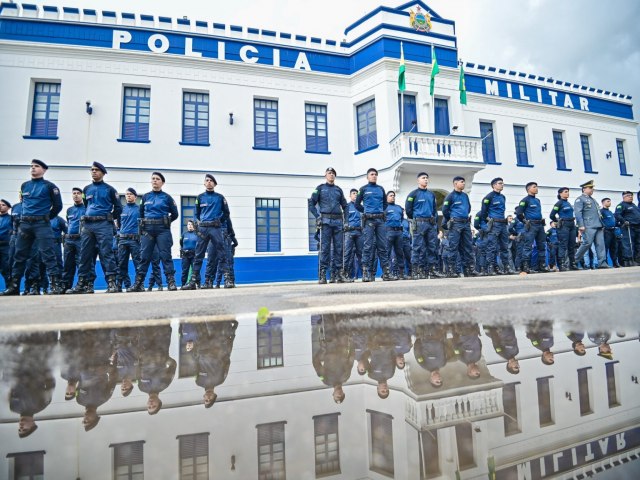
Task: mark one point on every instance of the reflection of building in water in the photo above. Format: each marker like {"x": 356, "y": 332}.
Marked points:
{"x": 274, "y": 415}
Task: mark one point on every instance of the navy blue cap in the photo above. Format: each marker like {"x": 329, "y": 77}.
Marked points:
{"x": 458, "y": 178}
{"x": 133, "y": 191}
{"x": 213, "y": 179}
{"x": 76, "y": 189}
{"x": 159, "y": 175}
{"x": 330, "y": 169}
{"x": 353, "y": 190}
{"x": 100, "y": 167}
{"x": 41, "y": 163}
{"x": 5, "y": 202}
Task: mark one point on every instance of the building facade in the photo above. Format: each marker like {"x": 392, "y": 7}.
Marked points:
{"x": 268, "y": 111}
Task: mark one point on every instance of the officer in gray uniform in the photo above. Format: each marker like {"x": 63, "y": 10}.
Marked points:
{"x": 590, "y": 226}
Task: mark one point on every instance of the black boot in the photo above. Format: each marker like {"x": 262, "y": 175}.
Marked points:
{"x": 346, "y": 277}
{"x": 387, "y": 276}
{"x": 365, "y": 275}
{"x": 542, "y": 268}
{"x": 524, "y": 268}
{"x": 138, "y": 285}
{"x": 434, "y": 273}
{"x": 171, "y": 284}
{"x": 55, "y": 285}
{"x": 452, "y": 270}
{"x": 470, "y": 272}
{"x": 322, "y": 276}
{"x": 189, "y": 286}
{"x": 111, "y": 284}
{"x": 207, "y": 285}
{"x": 80, "y": 287}
{"x": 13, "y": 288}
{"x": 88, "y": 287}
{"x": 229, "y": 281}
{"x": 573, "y": 265}
{"x": 415, "y": 272}
{"x": 491, "y": 271}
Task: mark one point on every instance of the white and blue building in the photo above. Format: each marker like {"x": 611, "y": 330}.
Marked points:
{"x": 267, "y": 111}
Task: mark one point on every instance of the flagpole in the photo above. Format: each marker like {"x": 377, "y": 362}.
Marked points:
{"x": 433, "y": 102}
{"x": 401, "y": 98}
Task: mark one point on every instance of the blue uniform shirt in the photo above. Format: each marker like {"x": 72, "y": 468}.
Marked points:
{"x": 40, "y": 197}
{"x": 562, "y": 209}
{"x": 394, "y": 216}
{"x": 16, "y": 213}
{"x": 101, "y": 199}
{"x": 628, "y": 212}
{"x": 211, "y": 206}
{"x": 479, "y": 222}
{"x": 456, "y": 205}
{"x": 421, "y": 203}
{"x": 494, "y": 205}
{"x": 406, "y": 232}
{"x": 327, "y": 199}
{"x": 6, "y": 225}
{"x": 158, "y": 205}
{"x": 516, "y": 227}
{"x": 189, "y": 240}
{"x": 354, "y": 216}
{"x": 371, "y": 199}
{"x": 74, "y": 214}
{"x": 552, "y": 236}
{"x": 129, "y": 219}
{"x": 58, "y": 225}
{"x": 529, "y": 208}
{"x": 608, "y": 218}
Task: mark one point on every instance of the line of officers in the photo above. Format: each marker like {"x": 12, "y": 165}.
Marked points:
{"x": 373, "y": 227}
{"x": 142, "y": 232}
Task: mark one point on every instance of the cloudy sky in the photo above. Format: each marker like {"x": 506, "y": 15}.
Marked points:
{"x": 588, "y": 42}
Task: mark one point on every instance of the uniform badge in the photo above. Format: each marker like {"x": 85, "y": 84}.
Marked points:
{"x": 56, "y": 191}
{"x": 420, "y": 20}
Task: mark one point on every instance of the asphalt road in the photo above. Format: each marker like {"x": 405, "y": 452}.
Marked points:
{"x": 598, "y": 297}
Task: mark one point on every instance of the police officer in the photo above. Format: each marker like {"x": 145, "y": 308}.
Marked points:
{"x": 516, "y": 232}
{"x": 468, "y": 347}
{"x": 102, "y": 208}
{"x": 157, "y": 367}
{"x": 60, "y": 229}
{"x": 430, "y": 351}
{"x": 6, "y": 226}
{"x": 628, "y": 215}
{"x": 505, "y": 344}
{"x": 328, "y": 206}
{"x": 128, "y": 239}
{"x": 16, "y": 213}
{"x": 541, "y": 335}
{"x": 41, "y": 201}
{"x": 422, "y": 211}
{"x": 552, "y": 246}
{"x": 157, "y": 210}
{"x": 72, "y": 238}
{"x": 230, "y": 244}
{"x": 394, "y": 214}
{"x": 371, "y": 201}
{"x": 610, "y": 223}
{"x": 188, "y": 242}
{"x": 455, "y": 212}
{"x": 529, "y": 212}
{"x": 354, "y": 241}
{"x": 493, "y": 212}
{"x": 211, "y": 212}
{"x": 406, "y": 247}
{"x": 481, "y": 243}
{"x": 562, "y": 213}
{"x": 590, "y": 224}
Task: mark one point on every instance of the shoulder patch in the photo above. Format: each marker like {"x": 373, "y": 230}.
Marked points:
{"x": 56, "y": 191}
{"x": 556, "y": 208}
{"x": 446, "y": 202}
{"x": 619, "y": 207}
{"x": 486, "y": 200}
{"x": 409, "y": 199}
{"x": 522, "y": 204}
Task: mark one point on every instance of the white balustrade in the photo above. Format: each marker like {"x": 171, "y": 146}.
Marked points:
{"x": 437, "y": 147}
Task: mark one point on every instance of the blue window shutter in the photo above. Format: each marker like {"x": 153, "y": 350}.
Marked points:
{"x": 522, "y": 156}
{"x": 442, "y": 117}
{"x": 558, "y": 143}
{"x": 621, "y": 159}
{"x": 135, "y": 114}
{"x": 46, "y": 102}
{"x": 410, "y": 115}
{"x": 488, "y": 145}
{"x": 586, "y": 153}
{"x": 366, "y": 125}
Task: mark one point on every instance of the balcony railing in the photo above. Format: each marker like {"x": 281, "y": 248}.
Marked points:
{"x": 437, "y": 147}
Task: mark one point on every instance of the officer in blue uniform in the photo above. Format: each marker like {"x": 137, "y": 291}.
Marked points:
{"x": 482, "y": 244}
{"x": 406, "y": 247}
{"x": 562, "y": 213}
{"x": 429, "y": 351}
{"x": 371, "y": 201}
{"x": 493, "y": 212}
{"x": 516, "y": 230}
{"x": 468, "y": 347}
{"x": 188, "y": 242}
{"x": 455, "y": 211}
{"x": 211, "y": 212}
{"x": 157, "y": 367}
{"x": 529, "y": 212}
{"x": 552, "y": 245}
{"x": 102, "y": 208}
{"x": 41, "y": 201}
{"x": 541, "y": 335}
{"x": 128, "y": 239}
{"x": 628, "y": 216}
{"x": 60, "y": 229}
{"x": 328, "y": 206}
{"x": 16, "y": 213}
{"x": 354, "y": 241}
{"x": 394, "y": 214}
{"x": 72, "y": 238}
{"x": 157, "y": 211}
{"x": 230, "y": 244}
{"x": 610, "y": 223}
{"x": 6, "y": 226}
{"x": 505, "y": 344}
{"x": 422, "y": 211}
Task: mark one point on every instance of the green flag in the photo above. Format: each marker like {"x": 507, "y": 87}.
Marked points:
{"x": 435, "y": 69}
{"x": 462, "y": 87}
{"x": 491, "y": 465}
{"x": 402, "y": 86}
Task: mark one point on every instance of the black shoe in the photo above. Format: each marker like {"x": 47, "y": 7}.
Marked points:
{"x": 150, "y": 288}
{"x": 138, "y": 285}
{"x": 189, "y": 286}
{"x": 171, "y": 284}
{"x": 13, "y": 288}
{"x": 322, "y": 276}
{"x": 207, "y": 285}
{"x": 80, "y": 288}
{"x": 111, "y": 284}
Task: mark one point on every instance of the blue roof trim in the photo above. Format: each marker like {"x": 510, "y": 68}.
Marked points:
{"x": 255, "y": 31}
{"x": 316, "y": 40}
{"x": 201, "y": 23}
{"x": 146, "y": 18}
{"x": 182, "y": 21}
{"x": 480, "y": 67}
{"x": 398, "y": 11}
{"x": 130, "y": 16}
{"x": 71, "y": 10}
{"x": 4, "y": 5}
{"x": 236, "y": 28}
{"x": 88, "y": 11}
{"x": 164, "y": 19}
{"x": 107, "y": 13}
{"x": 269, "y": 33}
{"x": 330, "y": 42}
{"x": 29, "y": 6}
{"x": 491, "y": 69}
{"x": 47, "y": 8}
{"x": 285, "y": 35}
{"x": 502, "y": 71}
{"x": 301, "y": 38}
{"x": 399, "y": 29}
{"x": 219, "y": 26}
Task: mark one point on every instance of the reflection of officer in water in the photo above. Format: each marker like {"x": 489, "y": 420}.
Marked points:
{"x": 26, "y": 367}
{"x": 505, "y": 344}
{"x": 211, "y": 344}
{"x": 577, "y": 344}
{"x": 379, "y": 358}
{"x": 541, "y": 335}
{"x": 125, "y": 357}
{"x": 157, "y": 368}
{"x": 429, "y": 351}
{"x": 466, "y": 344}
{"x": 333, "y": 360}
{"x": 601, "y": 339}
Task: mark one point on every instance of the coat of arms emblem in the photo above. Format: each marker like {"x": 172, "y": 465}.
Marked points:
{"x": 420, "y": 20}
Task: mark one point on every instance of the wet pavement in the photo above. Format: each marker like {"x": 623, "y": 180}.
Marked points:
{"x": 502, "y": 378}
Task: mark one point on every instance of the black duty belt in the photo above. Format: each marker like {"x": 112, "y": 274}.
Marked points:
{"x": 610, "y": 229}
{"x": 4, "y": 242}
{"x": 214, "y": 223}
{"x": 395, "y": 229}
{"x": 57, "y": 240}
{"x": 129, "y": 236}
{"x": 572, "y": 219}
{"x": 96, "y": 218}
{"x": 371, "y": 216}
{"x": 331, "y": 216}
{"x": 425, "y": 219}
{"x": 153, "y": 221}
{"x": 499, "y": 220}
{"x": 461, "y": 220}
{"x": 72, "y": 236}
{"x": 36, "y": 218}
{"x": 537, "y": 222}
{"x": 352, "y": 229}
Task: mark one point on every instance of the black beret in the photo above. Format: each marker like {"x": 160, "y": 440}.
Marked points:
{"x": 330, "y": 169}
{"x": 458, "y": 178}
{"x": 371, "y": 170}
{"x": 421, "y": 174}
{"x": 496, "y": 180}
{"x": 132, "y": 190}
{"x": 100, "y": 167}
{"x": 41, "y": 163}
{"x": 530, "y": 184}
{"x": 5, "y": 202}
{"x": 76, "y": 189}
{"x": 213, "y": 179}
{"x": 159, "y": 175}
{"x": 353, "y": 190}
